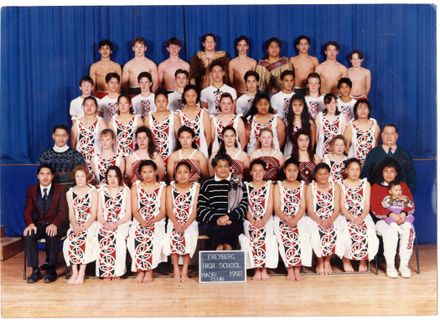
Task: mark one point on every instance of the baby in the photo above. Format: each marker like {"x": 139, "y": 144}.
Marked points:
{"x": 401, "y": 208}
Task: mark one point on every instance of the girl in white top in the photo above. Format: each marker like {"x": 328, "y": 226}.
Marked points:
{"x": 147, "y": 232}
{"x": 329, "y": 123}
{"x": 226, "y": 118}
{"x": 164, "y": 125}
{"x": 107, "y": 157}
{"x": 79, "y": 248}
{"x": 124, "y": 125}
{"x": 362, "y": 134}
{"x": 314, "y": 99}
{"x": 114, "y": 218}
{"x": 361, "y": 239}
{"x": 289, "y": 224}
{"x": 258, "y": 240}
{"x": 196, "y": 118}
{"x": 298, "y": 117}
{"x": 229, "y": 145}
{"x": 335, "y": 159}
{"x": 86, "y": 130}
{"x": 143, "y": 103}
{"x": 145, "y": 150}
{"x": 182, "y": 228}
{"x": 186, "y": 150}
{"x": 261, "y": 115}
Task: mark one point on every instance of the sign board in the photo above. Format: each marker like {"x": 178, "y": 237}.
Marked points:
{"x": 222, "y": 266}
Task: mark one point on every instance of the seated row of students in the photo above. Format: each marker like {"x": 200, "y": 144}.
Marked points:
{"x": 323, "y": 230}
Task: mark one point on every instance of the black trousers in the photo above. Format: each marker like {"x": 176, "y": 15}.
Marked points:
{"x": 52, "y": 246}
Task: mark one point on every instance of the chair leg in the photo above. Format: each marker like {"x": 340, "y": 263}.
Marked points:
{"x": 24, "y": 264}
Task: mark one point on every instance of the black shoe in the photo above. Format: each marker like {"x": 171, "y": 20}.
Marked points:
{"x": 51, "y": 276}
{"x": 35, "y": 276}
{"x": 44, "y": 266}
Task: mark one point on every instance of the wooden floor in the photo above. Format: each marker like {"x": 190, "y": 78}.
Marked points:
{"x": 336, "y": 295}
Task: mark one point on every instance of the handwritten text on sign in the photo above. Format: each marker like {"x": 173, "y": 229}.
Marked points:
{"x": 222, "y": 266}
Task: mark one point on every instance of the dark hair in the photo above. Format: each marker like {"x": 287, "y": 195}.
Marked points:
{"x": 93, "y": 99}
{"x": 111, "y": 75}
{"x": 347, "y": 81}
{"x": 360, "y": 55}
{"x": 182, "y": 163}
{"x": 147, "y": 75}
{"x": 356, "y": 105}
{"x": 216, "y": 63}
{"x": 105, "y": 42}
{"x": 126, "y": 96}
{"x": 209, "y": 35}
{"x": 178, "y": 71}
{"x": 189, "y": 130}
{"x": 86, "y": 79}
{"x": 282, "y": 174}
{"x": 287, "y": 73}
{"x": 221, "y": 157}
{"x": 226, "y": 95}
{"x": 160, "y": 92}
{"x": 393, "y": 184}
{"x": 241, "y": 38}
{"x": 118, "y": 174}
{"x": 327, "y": 99}
{"x": 389, "y": 162}
{"x": 392, "y": 125}
{"x": 257, "y": 161}
{"x": 138, "y": 40}
{"x": 295, "y": 153}
{"x": 151, "y": 145}
{"x": 253, "y": 109}
{"x": 305, "y": 117}
{"x": 270, "y": 40}
{"x": 319, "y": 166}
{"x": 301, "y": 37}
{"x": 60, "y": 126}
{"x": 290, "y": 161}
{"x": 314, "y": 75}
{"x": 251, "y": 73}
{"x": 145, "y": 163}
{"x": 79, "y": 168}
{"x": 331, "y": 43}
{"x": 222, "y": 148}
{"x": 174, "y": 41}
{"x": 191, "y": 87}
{"x": 45, "y": 165}
{"x": 352, "y": 160}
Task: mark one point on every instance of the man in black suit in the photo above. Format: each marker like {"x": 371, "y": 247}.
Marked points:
{"x": 45, "y": 216}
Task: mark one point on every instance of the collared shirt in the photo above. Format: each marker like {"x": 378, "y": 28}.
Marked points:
{"x": 60, "y": 149}
{"x": 219, "y": 179}
{"x": 42, "y": 189}
{"x": 387, "y": 148}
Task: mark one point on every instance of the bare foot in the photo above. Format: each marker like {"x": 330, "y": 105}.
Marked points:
{"x": 115, "y": 278}
{"x": 219, "y": 247}
{"x": 148, "y": 276}
{"x": 176, "y": 275}
{"x": 257, "y": 275}
{"x": 297, "y": 273}
{"x": 72, "y": 278}
{"x": 363, "y": 266}
{"x": 107, "y": 278}
{"x": 327, "y": 267}
{"x": 79, "y": 279}
{"x": 264, "y": 275}
{"x": 320, "y": 268}
{"x": 290, "y": 274}
{"x": 184, "y": 277}
{"x": 347, "y": 265}
{"x": 139, "y": 277}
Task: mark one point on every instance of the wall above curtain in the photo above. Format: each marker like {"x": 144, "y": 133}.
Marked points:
{"x": 46, "y": 50}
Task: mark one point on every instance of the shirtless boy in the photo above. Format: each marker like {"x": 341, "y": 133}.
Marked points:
{"x": 241, "y": 64}
{"x": 135, "y": 66}
{"x": 303, "y": 64}
{"x": 168, "y": 67}
{"x": 100, "y": 69}
{"x": 359, "y": 76}
{"x": 331, "y": 70}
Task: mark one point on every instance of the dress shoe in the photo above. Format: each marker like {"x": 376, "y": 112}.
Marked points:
{"x": 51, "y": 276}
{"x": 44, "y": 267}
{"x": 35, "y": 277}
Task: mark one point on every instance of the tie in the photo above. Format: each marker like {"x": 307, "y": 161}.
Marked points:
{"x": 44, "y": 201}
{"x": 390, "y": 153}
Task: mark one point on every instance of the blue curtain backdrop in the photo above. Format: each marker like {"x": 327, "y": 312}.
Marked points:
{"x": 46, "y": 50}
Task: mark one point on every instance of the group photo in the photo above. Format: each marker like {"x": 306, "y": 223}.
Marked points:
{"x": 137, "y": 137}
